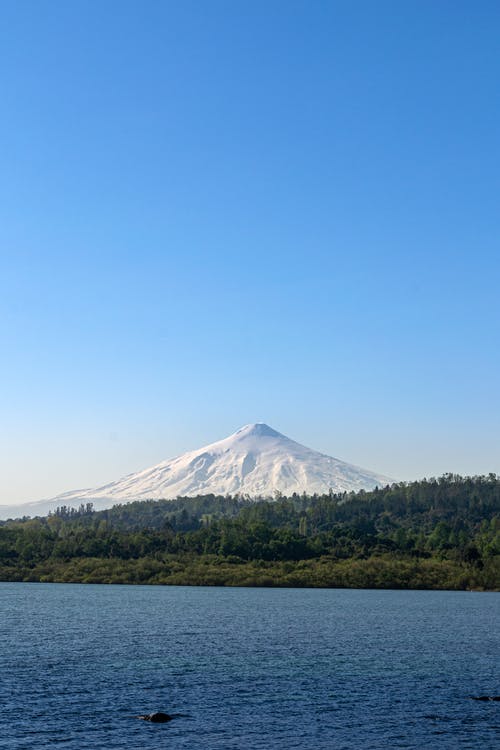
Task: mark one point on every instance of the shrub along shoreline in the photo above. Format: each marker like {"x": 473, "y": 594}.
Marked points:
{"x": 373, "y": 573}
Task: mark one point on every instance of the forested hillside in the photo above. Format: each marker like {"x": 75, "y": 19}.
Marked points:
{"x": 438, "y": 533}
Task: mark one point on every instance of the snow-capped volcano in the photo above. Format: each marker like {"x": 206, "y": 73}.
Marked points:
{"x": 254, "y": 461}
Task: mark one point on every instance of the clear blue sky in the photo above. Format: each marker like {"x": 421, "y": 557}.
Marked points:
{"x": 214, "y": 213}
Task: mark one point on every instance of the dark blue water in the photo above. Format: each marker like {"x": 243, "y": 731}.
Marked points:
{"x": 252, "y": 668}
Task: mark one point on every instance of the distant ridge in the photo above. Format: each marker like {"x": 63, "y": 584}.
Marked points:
{"x": 256, "y": 461}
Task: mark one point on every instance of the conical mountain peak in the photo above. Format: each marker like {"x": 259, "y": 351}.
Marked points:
{"x": 255, "y": 461}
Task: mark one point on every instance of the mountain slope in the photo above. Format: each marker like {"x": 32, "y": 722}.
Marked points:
{"x": 255, "y": 461}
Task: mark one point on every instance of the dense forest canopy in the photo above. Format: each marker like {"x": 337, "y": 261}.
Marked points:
{"x": 436, "y": 533}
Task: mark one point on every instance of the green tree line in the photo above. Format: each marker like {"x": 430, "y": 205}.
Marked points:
{"x": 436, "y": 533}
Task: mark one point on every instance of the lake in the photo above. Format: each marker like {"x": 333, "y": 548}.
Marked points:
{"x": 249, "y": 668}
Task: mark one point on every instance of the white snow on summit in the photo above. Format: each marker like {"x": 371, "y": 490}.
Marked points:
{"x": 255, "y": 461}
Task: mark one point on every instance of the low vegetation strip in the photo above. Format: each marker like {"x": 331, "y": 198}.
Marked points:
{"x": 374, "y": 572}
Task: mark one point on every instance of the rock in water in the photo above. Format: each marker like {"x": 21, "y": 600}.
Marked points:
{"x": 157, "y": 718}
